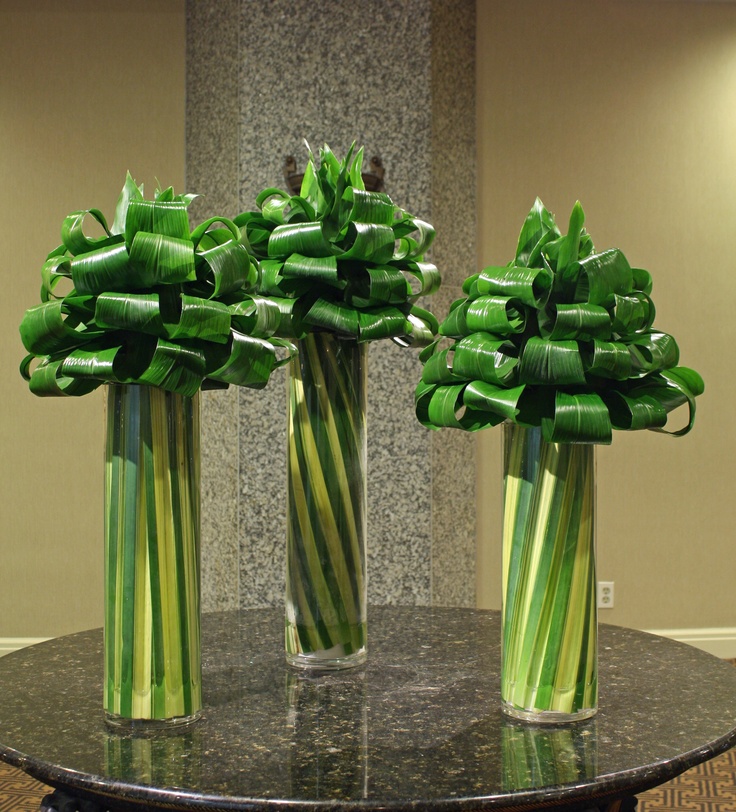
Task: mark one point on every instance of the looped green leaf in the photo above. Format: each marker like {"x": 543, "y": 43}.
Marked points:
{"x": 414, "y": 237}
{"x": 368, "y": 242}
{"x": 168, "y": 218}
{"x": 139, "y": 312}
{"x": 56, "y": 268}
{"x": 551, "y": 362}
{"x": 72, "y": 232}
{"x": 310, "y": 270}
{"x": 633, "y": 313}
{"x": 367, "y": 207}
{"x": 653, "y": 352}
{"x": 95, "y": 363}
{"x": 156, "y": 306}
{"x": 98, "y": 270}
{"x": 597, "y": 278}
{"x": 483, "y": 357}
{"x": 226, "y": 268}
{"x": 496, "y": 314}
{"x": 157, "y": 259}
{"x": 422, "y": 327}
{"x": 426, "y": 277}
{"x": 193, "y": 317}
{"x": 607, "y": 359}
{"x": 561, "y": 338}
{"x": 255, "y": 316}
{"x": 578, "y": 416}
{"x": 248, "y": 361}
{"x": 531, "y": 286}
{"x": 174, "y": 367}
{"x": 500, "y": 402}
{"x": 444, "y": 406}
{"x": 574, "y": 321}
{"x": 380, "y": 285}
{"x": 307, "y": 239}
{"x": 47, "y": 380}
{"x": 351, "y": 260}
{"x": 54, "y": 326}
{"x": 631, "y": 413}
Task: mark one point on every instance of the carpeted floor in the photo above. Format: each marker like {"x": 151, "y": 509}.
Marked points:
{"x": 18, "y": 791}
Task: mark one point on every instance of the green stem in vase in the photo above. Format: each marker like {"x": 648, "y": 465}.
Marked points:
{"x": 549, "y": 639}
{"x": 152, "y": 638}
{"x": 326, "y": 534}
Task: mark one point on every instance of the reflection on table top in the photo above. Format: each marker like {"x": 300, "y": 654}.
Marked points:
{"x": 420, "y": 723}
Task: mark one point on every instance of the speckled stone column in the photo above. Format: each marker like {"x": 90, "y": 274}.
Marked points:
{"x": 398, "y": 78}
{"x": 212, "y": 171}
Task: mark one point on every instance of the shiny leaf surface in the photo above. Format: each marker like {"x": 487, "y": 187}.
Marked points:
{"x": 150, "y": 303}
{"x": 560, "y": 338}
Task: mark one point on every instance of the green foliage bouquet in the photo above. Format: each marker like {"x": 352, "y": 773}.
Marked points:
{"x": 562, "y": 337}
{"x": 340, "y": 259}
{"x": 156, "y": 313}
{"x": 150, "y": 303}
{"x": 560, "y": 345}
{"x": 346, "y": 267}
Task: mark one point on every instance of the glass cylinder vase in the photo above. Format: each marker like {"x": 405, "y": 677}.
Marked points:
{"x": 549, "y": 651}
{"x": 326, "y": 534}
{"x": 152, "y": 567}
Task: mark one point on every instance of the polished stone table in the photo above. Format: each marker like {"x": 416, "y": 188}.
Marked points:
{"x": 419, "y": 727}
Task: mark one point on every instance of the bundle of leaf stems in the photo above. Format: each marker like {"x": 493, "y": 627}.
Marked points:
{"x": 152, "y": 537}
{"x": 549, "y": 638}
{"x": 327, "y": 450}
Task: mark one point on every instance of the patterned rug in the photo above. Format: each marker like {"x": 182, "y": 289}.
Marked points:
{"x": 19, "y": 792}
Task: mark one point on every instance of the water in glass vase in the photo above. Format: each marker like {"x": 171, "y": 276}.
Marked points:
{"x": 152, "y": 569}
{"x": 549, "y": 651}
{"x": 326, "y": 550}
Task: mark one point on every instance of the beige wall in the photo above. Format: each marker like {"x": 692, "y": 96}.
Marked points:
{"x": 87, "y": 91}
{"x": 629, "y": 107}
{"x": 625, "y": 105}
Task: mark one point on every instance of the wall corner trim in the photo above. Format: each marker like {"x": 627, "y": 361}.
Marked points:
{"x": 719, "y": 641}
{"x": 8, "y": 644}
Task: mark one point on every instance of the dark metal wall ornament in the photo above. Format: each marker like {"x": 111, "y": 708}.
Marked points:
{"x": 372, "y": 179}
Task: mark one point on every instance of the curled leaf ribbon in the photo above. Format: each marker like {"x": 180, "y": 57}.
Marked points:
{"x": 150, "y": 303}
{"x": 342, "y": 259}
{"x": 563, "y": 338}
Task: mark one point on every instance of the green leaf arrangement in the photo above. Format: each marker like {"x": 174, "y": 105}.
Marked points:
{"x": 156, "y": 312}
{"x": 346, "y": 266}
{"x": 338, "y": 258}
{"x": 150, "y": 303}
{"x": 560, "y": 345}
{"x": 562, "y": 337}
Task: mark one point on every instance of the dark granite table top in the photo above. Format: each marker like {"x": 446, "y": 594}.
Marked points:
{"x": 419, "y": 727}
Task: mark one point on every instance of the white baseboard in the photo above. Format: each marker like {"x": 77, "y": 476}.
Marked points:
{"x": 8, "y": 644}
{"x": 720, "y": 641}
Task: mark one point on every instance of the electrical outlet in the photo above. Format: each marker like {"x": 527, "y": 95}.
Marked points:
{"x": 605, "y": 594}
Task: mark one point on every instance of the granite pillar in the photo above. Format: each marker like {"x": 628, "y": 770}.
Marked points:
{"x": 398, "y": 78}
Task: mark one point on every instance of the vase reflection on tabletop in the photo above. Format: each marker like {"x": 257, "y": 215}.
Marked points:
{"x": 547, "y": 755}
{"x": 327, "y": 717}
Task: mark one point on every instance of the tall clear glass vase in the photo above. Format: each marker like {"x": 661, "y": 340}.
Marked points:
{"x": 326, "y": 535}
{"x": 549, "y": 653}
{"x": 152, "y": 568}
